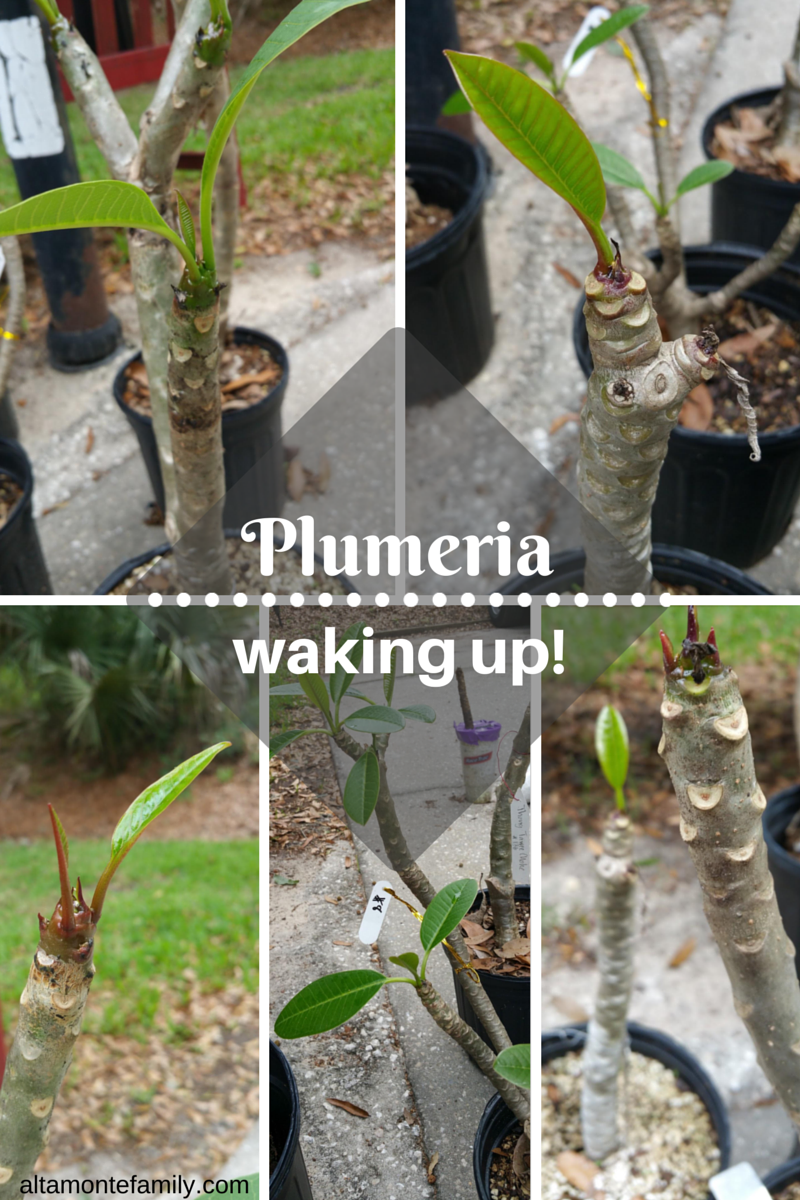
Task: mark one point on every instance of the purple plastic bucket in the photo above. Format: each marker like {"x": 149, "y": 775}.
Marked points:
{"x": 478, "y": 748}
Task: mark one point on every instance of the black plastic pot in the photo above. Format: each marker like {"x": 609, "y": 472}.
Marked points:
{"x": 448, "y": 306}
{"x": 710, "y": 496}
{"x": 747, "y": 208}
{"x": 9, "y": 428}
{"x": 785, "y": 869}
{"x": 22, "y": 566}
{"x": 671, "y": 564}
{"x": 289, "y": 1180}
{"x": 510, "y": 996}
{"x": 497, "y": 1121}
{"x": 782, "y": 1176}
{"x": 119, "y": 573}
{"x": 249, "y": 436}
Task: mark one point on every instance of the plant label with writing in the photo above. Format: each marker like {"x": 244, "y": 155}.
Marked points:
{"x": 374, "y": 913}
{"x": 521, "y": 833}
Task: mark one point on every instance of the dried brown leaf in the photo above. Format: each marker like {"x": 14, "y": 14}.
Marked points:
{"x": 683, "y": 952}
{"x": 698, "y": 408}
{"x": 295, "y": 479}
{"x": 578, "y": 1170}
{"x": 564, "y": 419}
{"x": 353, "y": 1109}
{"x": 515, "y": 948}
{"x": 566, "y": 274}
{"x": 432, "y": 1167}
{"x": 89, "y": 441}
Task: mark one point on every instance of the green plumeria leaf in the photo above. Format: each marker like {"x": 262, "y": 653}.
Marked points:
{"x": 252, "y": 1182}
{"x": 535, "y": 55}
{"x": 281, "y": 740}
{"x": 186, "y": 223}
{"x": 708, "y": 172}
{"x": 457, "y": 103}
{"x": 445, "y": 910}
{"x": 616, "y": 168}
{"x": 341, "y": 679}
{"x": 611, "y": 744}
{"x": 390, "y": 676}
{"x": 62, "y": 837}
{"x": 359, "y": 695}
{"x": 284, "y": 881}
{"x": 410, "y": 961}
{"x": 303, "y": 17}
{"x": 327, "y": 1002}
{"x": 287, "y": 689}
{"x": 158, "y": 797}
{"x": 88, "y": 205}
{"x": 314, "y": 687}
{"x": 375, "y": 719}
{"x": 537, "y": 130}
{"x": 361, "y": 788}
{"x": 609, "y": 28}
{"x": 514, "y": 1064}
{"x": 419, "y": 712}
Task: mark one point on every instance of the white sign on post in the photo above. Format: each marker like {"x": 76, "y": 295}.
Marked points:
{"x": 521, "y": 833}
{"x": 374, "y": 913}
{"x": 593, "y": 18}
{"x": 28, "y": 114}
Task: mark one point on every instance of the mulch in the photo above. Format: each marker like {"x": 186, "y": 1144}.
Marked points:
{"x": 10, "y": 495}
{"x": 247, "y": 373}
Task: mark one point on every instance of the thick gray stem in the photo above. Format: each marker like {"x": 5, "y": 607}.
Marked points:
{"x": 788, "y": 133}
{"x": 634, "y": 396}
{"x": 500, "y": 883}
{"x": 607, "y": 1037}
{"x": 706, "y": 746}
{"x": 417, "y": 882}
{"x": 666, "y": 166}
{"x": 15, "y": 273}
{"x": 450, "y": 1022}
{"x": 50, "y": 1014}
{"x": 226, "y": 201}
{"x": 195, "y": 414}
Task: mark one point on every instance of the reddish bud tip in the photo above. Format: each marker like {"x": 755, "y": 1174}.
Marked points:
{"x": 667, "y": 651}
{"x": 692, "y": 625}
{"x": 712, "y": 641}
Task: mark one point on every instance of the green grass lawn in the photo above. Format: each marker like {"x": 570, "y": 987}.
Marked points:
{"x": 745, "y": 634}
{"x": 331, "y": 115}
{"x": 172, "y": 906}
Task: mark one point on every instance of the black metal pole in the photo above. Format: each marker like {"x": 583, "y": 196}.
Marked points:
{"x": 37, "y": 139}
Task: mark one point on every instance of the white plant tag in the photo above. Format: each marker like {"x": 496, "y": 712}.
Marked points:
{"x": 28, "y": 114}
{"x": 2, "y": 261}
{"x": 521, "y": 833}
{"x": 374, "y": 913}
{"x": 593, "y": 18}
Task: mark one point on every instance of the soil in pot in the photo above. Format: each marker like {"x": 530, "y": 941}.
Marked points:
{"x": 792, "y": 1192}
{"x": 423, "y": 220}
{"x": 10, "y": 495}
{"x": 156, "y": 573}
{"x": 512, "y": 959}
{"x": 765, "y": 349}
{"x": 671, "y": 1147}
{"x": 747, "y": 139}
{"x": 510, "y": 1177}
{"x": 247, "y": 373}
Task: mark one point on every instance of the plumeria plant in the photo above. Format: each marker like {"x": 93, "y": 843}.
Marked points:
{"x": 179, "y": 307}
{"x": 639, "y": 382}
{"x": 53, "y": 1002}
{"x": 333, "y": 999}
{"x": 707, "y": 749}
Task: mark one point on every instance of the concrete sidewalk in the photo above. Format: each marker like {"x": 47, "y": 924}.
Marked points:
{"x": 92, "y": 494}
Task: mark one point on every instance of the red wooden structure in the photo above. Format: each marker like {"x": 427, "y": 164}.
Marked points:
{"x": 124, "y": 68}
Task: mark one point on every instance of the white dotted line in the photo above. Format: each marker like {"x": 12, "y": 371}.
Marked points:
{"x": 411, "y": 599}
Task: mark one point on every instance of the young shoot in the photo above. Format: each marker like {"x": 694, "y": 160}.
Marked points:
{"x": 611, "y": 744}
{"x": 609, "y": 28}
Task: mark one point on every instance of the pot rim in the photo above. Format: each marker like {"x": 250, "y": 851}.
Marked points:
{"x": 294, "y": 1095}
{"x": 720, "y": 112}
{"x": 250, "y": 336}
{"x": 118, "y": 574}
{"x": 773, "y": 845}
{"x": 421, "y": 255}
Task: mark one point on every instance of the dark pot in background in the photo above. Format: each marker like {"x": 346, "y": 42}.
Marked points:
{"x": 664, "y": 1049}
{"x": 22, "y": 566}
{"x": 671, "y": 564}
{"x": 448, "y": 307}
{"x": 748, "y": 208}
{"x": 785, "y": 870}
{"x": 782, "y": 1176}
{"x": 510, "y": 996}
{"x": 249, "y": 436}
{"x": 710, "y": 496}
{"x": 289, "y": 1180}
